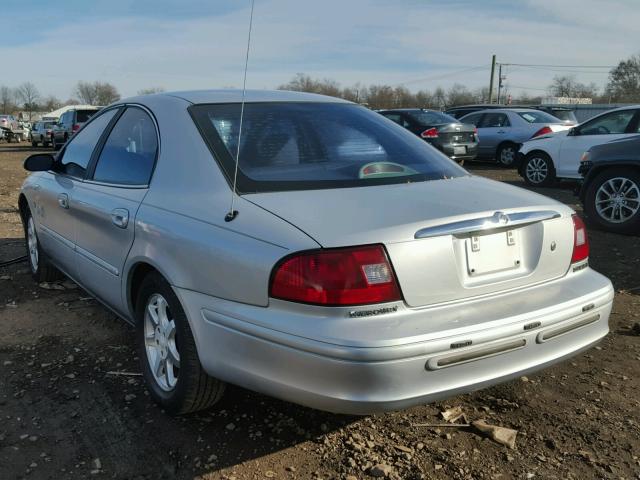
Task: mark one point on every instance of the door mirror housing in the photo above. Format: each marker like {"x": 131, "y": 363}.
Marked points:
{"x": 573, "y": 131}
{"x": 40, "y": 162}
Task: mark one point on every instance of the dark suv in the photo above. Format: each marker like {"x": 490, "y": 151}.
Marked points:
{"x": 610, "y": 190}
{"x": 70, "y": 122}
{"x": 456, "y": 140}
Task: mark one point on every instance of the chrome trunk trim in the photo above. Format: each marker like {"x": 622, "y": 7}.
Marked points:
{"x": 495, "y": 221}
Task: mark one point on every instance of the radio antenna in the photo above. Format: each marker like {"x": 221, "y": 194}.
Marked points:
{"x": 234, "y": 213}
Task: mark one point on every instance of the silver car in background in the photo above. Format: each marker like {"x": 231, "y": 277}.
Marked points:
{"x": 502, "y": 131}
{"x": 349, "y": 276}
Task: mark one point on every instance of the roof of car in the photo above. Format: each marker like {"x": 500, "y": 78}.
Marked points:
{"x": 235, "y": 96}
{"x": 505, "y": 110}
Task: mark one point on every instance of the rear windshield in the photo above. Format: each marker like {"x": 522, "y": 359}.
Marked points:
{"x": 84, "y": 115}
{"x": 564, "y": 115}
{"x": 431, "y": 118}
{"x": 304, "y": 146}
{"x": 538, "y": 117}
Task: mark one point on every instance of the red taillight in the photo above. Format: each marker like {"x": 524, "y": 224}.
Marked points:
{"x": 344, "y": 276}
{"x": 580, "y": 240}
{"x": 543, "y": 131}
{"x": 76, "y": 127}
{"x": 430, "y": 133}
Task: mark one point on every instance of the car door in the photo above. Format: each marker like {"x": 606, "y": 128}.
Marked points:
{"x": 602, "y": 129}
{"x": 492, "y": 130}
{"x": 54, "y": 196}
{"x": 108, "y": 201}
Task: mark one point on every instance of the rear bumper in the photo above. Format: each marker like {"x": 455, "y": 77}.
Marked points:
{"x": 361, "y": 377}
{"x": 449, "y": 149}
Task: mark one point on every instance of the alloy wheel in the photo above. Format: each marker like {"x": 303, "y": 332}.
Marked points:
{"x": 32, "y": 245}
{"x": 537, "y": 170}
{"x": 160, "y": 343}
{"x": 617, "y": 200}
{"x": 507, "y": 155}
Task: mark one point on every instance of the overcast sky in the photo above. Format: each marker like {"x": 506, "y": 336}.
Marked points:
{"x": 186, "y": 44}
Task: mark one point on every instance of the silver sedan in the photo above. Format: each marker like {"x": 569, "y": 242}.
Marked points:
{"x": 357, "y": 270}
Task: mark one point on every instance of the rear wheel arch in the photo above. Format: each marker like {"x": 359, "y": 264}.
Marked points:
{"x": 136, "y": 276}
{"x": 23, "y": 206}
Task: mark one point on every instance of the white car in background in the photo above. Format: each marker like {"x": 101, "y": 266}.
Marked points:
{"x": 546, "y": 158}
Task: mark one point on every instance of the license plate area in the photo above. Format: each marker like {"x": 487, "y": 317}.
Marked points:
{"x": 459, "y": 150}
{"x": 491, "y": 253}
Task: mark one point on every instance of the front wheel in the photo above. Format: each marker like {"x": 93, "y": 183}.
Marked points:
{"x": 612, "y": 200}
{"x": 506, "y": 154}
{"x": 538, "y": 170}
{"x": 167, "y": 350}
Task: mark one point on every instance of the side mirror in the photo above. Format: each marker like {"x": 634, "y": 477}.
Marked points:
{"x": 40, "y": 162}
{"x": 573, "y": 131}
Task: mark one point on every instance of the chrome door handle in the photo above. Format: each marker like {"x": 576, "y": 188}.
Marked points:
{"x": 120, "y": 217}
{"x": 501, "y": 131}
{"x": 63, "y": 200}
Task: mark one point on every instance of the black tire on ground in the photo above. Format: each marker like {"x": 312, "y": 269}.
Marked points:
{"x": 538, "y": 170}
{"x": 194, "y": 390}
{"x": 506, "y": 154}
{"x": 42, "y": 270}
{"x": 34, "y": 144}
{"x": 624, "y": 181}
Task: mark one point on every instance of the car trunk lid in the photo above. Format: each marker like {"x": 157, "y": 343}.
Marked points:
{"x": 520, "y": 238}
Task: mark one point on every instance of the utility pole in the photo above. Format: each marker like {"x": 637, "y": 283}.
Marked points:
{"x": 499, "y": 81}
{"x": 493, "y": 71}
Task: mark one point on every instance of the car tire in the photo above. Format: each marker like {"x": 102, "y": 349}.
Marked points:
{"x": 506, "y": 154}
{"x": 610, "y": 196}
{"x": 41, "y": 268}
{"x": 538, "y": 170}
{"x": 34, "y": 144}
{"x": 164, "y": 338}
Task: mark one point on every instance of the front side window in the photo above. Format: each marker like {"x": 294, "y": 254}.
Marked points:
{"x": 304, "y": 145}
{"x": 473, "y": 119}
{"x": 611, "y": 123}
{"x": 494, "y": 120}
{"x": 129, "y": 154}
{"x": 76, "y": 155}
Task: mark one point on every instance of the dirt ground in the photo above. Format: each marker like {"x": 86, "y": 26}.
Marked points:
{"x": 64, "y": 415}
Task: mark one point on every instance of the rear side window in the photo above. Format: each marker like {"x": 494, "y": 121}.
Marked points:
{"x": 77, "y": 153}
{"x": 129, "y": 154}
{"x": 305, "y": 145}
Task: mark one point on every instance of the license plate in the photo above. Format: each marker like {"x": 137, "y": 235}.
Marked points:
{"x": 493, "y": 252}
{"x": 459, "y": 150}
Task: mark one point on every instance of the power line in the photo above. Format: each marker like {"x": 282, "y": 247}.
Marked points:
{"x": 445, "y": 75}
{"x": 557, "y": 66}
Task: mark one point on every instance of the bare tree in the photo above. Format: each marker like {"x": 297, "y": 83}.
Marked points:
{"x": 150, "y": 91}
{"x": 97, "y": 93}
{"x": 50, "y": 103}
{"x": 7, "y": 99}
{"x": 29, "y": 95}
{"x": 624, "y": 81}
{"x": 568, "y": 86}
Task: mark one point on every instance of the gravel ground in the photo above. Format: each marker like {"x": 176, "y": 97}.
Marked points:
{"x": 65, "y": 415}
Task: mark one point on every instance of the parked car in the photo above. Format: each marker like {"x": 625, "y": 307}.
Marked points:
{"x": 565, "y": 114}
{"x": 9, "y": 121}
{"x": 502, "y": 131}
{"x": 11, "y": 128}
{"x": 610, "y": 191}
{"x": 356, "y": 269}
{"x": 42, "y": 133}
{"x": 70, "y": 122}
{"x": 547, "y": 158}
{"x": 456, "y": 140}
